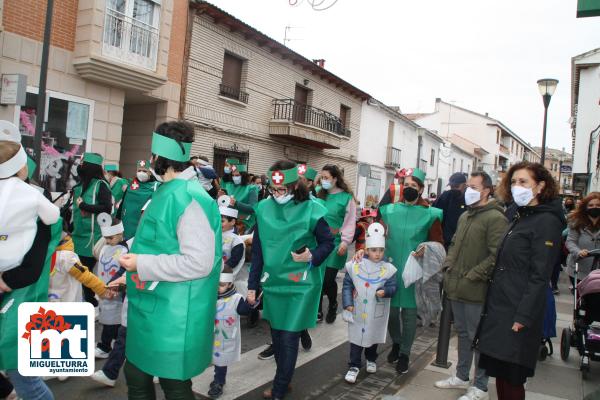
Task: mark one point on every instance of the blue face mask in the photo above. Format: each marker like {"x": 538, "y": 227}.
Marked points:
{"x": 237, "y": 179}
{"x": 325, "y": 184}
{"x": 227, "y": 170}
{"x": 284, "y": 199}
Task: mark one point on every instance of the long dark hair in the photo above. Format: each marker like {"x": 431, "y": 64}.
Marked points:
{"x": 298, "y": 188}
{"x": 336, "y": 173}
{"x": 579, "y": 219}
{"x": 87, "y": 172}
{"x": 182, "y": 132}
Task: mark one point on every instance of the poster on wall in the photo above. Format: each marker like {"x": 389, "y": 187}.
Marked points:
{"x": 77, "y": 120}
{"x": 372, "y": 192}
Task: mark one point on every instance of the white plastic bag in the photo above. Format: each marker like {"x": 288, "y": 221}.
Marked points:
{"x": 412, "y": 271}
{"x": 347, "y": 316}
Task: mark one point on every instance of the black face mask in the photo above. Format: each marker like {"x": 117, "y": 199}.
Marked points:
{"x": 569, "y": 206}
{"x": 593, "y": 212}
{"x": 80, "y": 170}
{"x": 410, "y": 194}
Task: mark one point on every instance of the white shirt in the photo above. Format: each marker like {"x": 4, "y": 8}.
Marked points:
{"x": 20, "y": 207}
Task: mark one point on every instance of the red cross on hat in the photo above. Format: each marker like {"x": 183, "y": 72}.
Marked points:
{"x": 277, "y": 177}
{"x": 142, "y": 163}
{"x": 234, "y": 168}
{"x": 135, "y": 185}
{"x": 301, "y": 169}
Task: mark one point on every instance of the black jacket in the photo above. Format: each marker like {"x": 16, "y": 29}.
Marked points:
{"x": 518, "y": 287}
{"x": 452, "y": 203}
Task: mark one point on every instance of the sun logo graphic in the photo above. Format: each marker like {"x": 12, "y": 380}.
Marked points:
{"x": 56, "y": 339}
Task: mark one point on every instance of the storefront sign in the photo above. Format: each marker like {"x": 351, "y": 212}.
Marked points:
{"x": 14, "y": 89}
{"x": 565, "y": 169}
{"x": 77, "y": 120}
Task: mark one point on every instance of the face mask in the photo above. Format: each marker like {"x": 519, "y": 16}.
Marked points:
{"x": 284, "y": 199}
{"x": 593, "y": 212}
{"x": 227, "y": 170}
{"x": 410, "y": 194}
{"x": 569, "y": 206}
{"x": 326, "y": 184}
{"x": 142, "y": 176}
{"x": 156, "y": 176}
{"x": 472, "y": 196}
{"x": 237, "y": 179}
{"x": 522, "y": 196}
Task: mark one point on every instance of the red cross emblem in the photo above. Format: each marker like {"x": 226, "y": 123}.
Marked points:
{"x": 277, "y": 177}
{"x": 301, "y": 169}
{"x": 142, "y": 163}
{"x": 233, "y": 168}
{"x": 409, "y": 172}
{"x": 135, "y": 185}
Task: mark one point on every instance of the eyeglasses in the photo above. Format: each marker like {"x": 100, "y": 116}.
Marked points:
{"x": 281, "y": 191}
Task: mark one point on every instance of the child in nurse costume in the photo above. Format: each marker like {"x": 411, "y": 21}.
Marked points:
{"x": 368, "y": 286}
{"x": 227, "y": 348}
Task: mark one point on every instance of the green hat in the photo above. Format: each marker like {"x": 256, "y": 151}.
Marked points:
{"x": 232, "y": 161}
{"x": 306, "y": 171}
{"x": 170, "y": 149}
{"x": 283, "y": 177}
{"x": 93, "y": 158}
{"x": 111, "y": 167}
{"x": 143, "y": 164}
{"x": 417, "y": 173}
{"x": 31, "y": 166}
{"x": 239, "y": 167}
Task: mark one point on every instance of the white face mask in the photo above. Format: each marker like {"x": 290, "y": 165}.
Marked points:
{"x": 472, "y": 196}
{"x": 284, "y": 199}
{"x": 142, "y": 176}
{"x": 325, "y": 184}
{"x": 237, "y": 179}
{"x": 158, "y": 178}
{"x": 521, "y": 195}
{"x": 227, "y": 170}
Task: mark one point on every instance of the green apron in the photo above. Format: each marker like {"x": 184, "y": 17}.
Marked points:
{"x": 407, "y": 227}
{"x": 290, "y": 301}
{"x": 9, "y": 307}
{"x": 117, "y": 190}
{"x": 336, "y": 213}
{"x": 86, "y": 231}
{"x": 137, "y": 196}
{"x": 170, "y": 325}
{"x": 241, "y": 193}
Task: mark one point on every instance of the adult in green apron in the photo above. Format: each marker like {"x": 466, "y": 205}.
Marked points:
{"x": 91, "y": 197}
{"x": 409, "y": 223}
{"x": 173, "y": 273}
{"x": 341, "y": 217}
{"x": 118, "y": 184}
{"x": 137, "y": 195}
{"x": 46, "y": 240}
{"x": 308, "y": 175}
{"x": 244, "y": 195}
{"x": 287, "y": 269}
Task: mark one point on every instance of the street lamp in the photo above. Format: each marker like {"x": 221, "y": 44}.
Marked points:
{"x": 546, "y": 88}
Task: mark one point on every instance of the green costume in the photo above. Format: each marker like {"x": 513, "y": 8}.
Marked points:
{"x": 291, "y": 290}
{"x": 170, "y": 324}
{"x": 336, "y": 213}
{"x": 117, "y": 189}
{"x": 241, "y": 193}
{"x": 408, "y": 226}
{"x": 86, "y": 231}
{"x": 136, "y": 197}
{"x": 37, "y": 291}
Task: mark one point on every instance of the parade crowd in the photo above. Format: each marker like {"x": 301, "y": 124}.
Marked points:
{"x": 173, "y": 257}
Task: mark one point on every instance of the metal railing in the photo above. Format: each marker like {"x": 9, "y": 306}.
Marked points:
{"x": 393, "y": 157}
{"x": 233, "y": 93}
{"x": 288, "y": 109}
{"x": 130, "y": 40}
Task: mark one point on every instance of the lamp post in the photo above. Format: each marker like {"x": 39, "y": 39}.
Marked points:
{"x": 546, "y": 88}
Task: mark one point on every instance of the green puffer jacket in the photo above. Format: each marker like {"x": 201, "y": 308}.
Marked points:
{"x": 472, "y": 253}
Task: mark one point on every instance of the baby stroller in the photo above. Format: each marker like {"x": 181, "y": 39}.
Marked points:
{"x": 549, "y": 330}
{"x": 584, "y": 334}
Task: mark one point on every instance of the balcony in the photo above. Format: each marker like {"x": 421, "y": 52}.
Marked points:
{"x": 504, "y": 150}
{"x": 233, "y": 93}
{"x": 307, "y": 125}
{"x": 392, "y": 158}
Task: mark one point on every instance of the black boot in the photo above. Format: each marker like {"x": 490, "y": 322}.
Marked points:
{"x": 215, "y": 391}
{"x": 305, "y": 340}
{"x": 393, "y": 354}
{"x": 331, "y": 313}
{"x": 402, "y": 366}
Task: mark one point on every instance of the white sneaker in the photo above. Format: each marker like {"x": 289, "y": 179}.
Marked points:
{"x": 100, "y": 377}
{"x": 474, "y": 393}
{"x": 351, "y": 375}
{"x": 155, "y": 379}
{"x": 371, "y": 367}
{"x": 101, "y": 353}
{"x": 453, "y": 382}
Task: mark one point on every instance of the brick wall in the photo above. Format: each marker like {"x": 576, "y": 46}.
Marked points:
{"x": 27, "y": 18}
{"x": 177, "y": 42}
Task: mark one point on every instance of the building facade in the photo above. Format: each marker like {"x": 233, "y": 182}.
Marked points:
{"x": 560, "y": 165}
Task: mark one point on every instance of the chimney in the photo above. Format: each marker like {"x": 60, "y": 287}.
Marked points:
{"x": 486, "y": 114}
{"x": 320, "y": 62}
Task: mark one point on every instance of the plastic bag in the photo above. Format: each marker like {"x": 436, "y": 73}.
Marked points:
{"x": 412, "y": 271}
{"x": 347, "y": 316}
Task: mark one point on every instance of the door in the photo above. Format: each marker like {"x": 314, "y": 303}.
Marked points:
{"x": 300, "y": 104}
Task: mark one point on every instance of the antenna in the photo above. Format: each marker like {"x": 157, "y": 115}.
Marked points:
{"x": 285, "y": 35}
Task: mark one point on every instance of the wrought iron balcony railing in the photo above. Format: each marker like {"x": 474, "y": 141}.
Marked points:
{"x": 288, "y": 109}
{"x": 233, "y": 93}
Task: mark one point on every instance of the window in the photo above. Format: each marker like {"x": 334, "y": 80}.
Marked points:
{"x": 345, "y": 116}
{"x": 301, "y": 95}
{"x": 497, "y": 136}
{"x": 131, "y": 31}
{"x": 461, "y": 165}
{"x": 231, "y": 85}
{"x": 512, "y": 146}
{"x": 432, "y": 159}
{"x": 495, "y": 162}
{"x": 390, "y": 137}
{"x": 453, "y": 165}
{"x": 67, "y": 135}
{"x": 468, "y": 167}
{"x": 393, "y": 156}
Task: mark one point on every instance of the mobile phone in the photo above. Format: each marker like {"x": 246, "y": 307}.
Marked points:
{"x": 300, "y": 250}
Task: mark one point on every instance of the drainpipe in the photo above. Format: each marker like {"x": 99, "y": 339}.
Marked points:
{"x": 420, "y": 148}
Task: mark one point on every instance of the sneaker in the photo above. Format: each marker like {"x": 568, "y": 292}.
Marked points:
{"x": 474, "y": 393}
{"x": 305, "y": 340}
{"x": 101, "y": 353}
{"x": 452, "y": 382}
{"x": 402, "y": 365}
{"x": 155, "y": 379}
{"x": 267, "y": 353}
{"x": 393, "y": 355}
{"x": 215, "y": 391}
{"x": 319, "y": 316}
{"x": 556, "y": 291}
{"x": 351, "y": 375}
{"x": 331, "y": 313}
{"x": 371, "y": 367}
{"x": 100, "y": 377}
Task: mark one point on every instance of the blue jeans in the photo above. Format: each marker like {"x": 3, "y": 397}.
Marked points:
{"x": 220, "y": 374}
{"x": 116, "y": 359}
{"x": 356, "y": 354}
{"x": 29, "y": 387}
{"x": 285, "y": 346}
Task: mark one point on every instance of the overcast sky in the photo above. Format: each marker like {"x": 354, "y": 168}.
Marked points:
{"x": 484, "y": 55}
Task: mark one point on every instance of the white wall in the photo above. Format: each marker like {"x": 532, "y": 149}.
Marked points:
{"x": 588, "y": 118}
